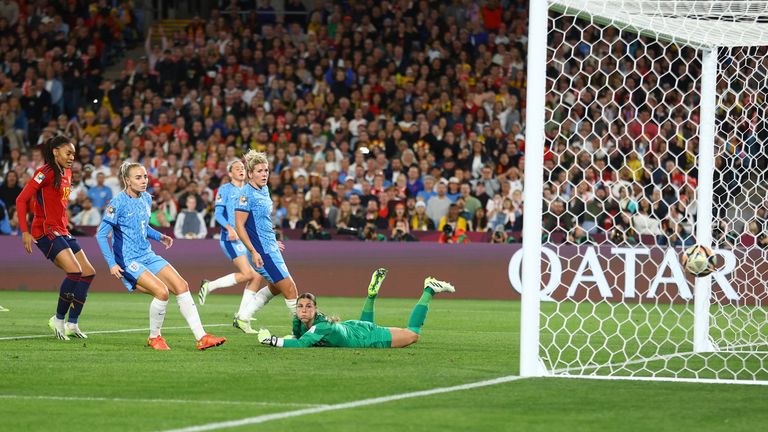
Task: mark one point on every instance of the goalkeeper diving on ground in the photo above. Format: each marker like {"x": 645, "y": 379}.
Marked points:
{"x": 313, "y": 328}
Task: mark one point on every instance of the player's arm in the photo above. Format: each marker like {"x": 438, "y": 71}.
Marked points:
{"x": 105, "y": 229}
{"x": 241, "y": 215}
{"x": 22, "y": 208}
{"x": 218, "y": 215}
{"x": 157, "y": 236}
{"x": 308, "y": 339}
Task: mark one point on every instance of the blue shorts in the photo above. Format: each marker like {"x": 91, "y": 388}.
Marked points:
{"x": 51, "y": 246}
{"x": 232, "y": 249}
{"x": 153, "y": 263}
{"x": 274, "y": 269}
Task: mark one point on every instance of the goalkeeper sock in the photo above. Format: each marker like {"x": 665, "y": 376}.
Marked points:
{"x": 367, "y": 314}
{"x": 189, "y": 312}
{"x": 156, "y": 316}
{"x": 78, "y": 301}
{"x": 256, "y": 301}
{"x": 222, "y": 282}
{"x": 291, "y": 305}
{"x": 419, "y": 313}
{"x": 67, "y": 294}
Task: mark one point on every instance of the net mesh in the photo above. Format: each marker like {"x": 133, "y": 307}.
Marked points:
{"x": 621, "y": 178}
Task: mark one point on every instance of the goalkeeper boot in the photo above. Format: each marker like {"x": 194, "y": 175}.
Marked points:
{"x": 209, "y": 341}
{"x": 57, "y": 325}
{"x": 71, "y": 329}
{"x": 244, "y": 325}
{"x": 438, "y": 286}
{"x": 203, "y": 291}
{"x": 377, "y": 278}
{"x": 158, "y": 343}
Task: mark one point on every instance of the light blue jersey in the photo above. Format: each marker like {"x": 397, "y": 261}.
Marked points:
{"x": 128, "y": 220}
{"x": 258, "y": 204}
{"x": 227, "y": 198}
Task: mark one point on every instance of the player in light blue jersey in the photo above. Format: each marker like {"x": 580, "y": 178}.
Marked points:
{"x": 131, "y": 259}
{"x": 227, "y": 198}
{"x": 253, "y": 223}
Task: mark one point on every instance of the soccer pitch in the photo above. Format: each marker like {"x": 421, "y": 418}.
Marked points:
{"x": 112, "y": 382}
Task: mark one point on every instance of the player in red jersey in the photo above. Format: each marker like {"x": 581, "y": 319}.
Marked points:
{"x": 49, "y": 190}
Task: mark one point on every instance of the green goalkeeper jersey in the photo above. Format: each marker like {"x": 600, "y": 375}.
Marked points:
{"x": 348, "y": 334}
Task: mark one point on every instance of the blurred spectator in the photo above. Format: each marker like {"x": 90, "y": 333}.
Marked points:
{"x": 189, "y": 222}
{"x": 449, "y": 235}
{"x": 88, "y": 216}
{"x": 10, "y": 189}
{"x": 401, "y": 233}
{"x": 100, "y": 194}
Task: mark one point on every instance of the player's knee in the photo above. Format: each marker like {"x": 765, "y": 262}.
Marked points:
{"x": 182, "y": 286}
{"x": 88, "y": 270}
{"x": 162, "y": 294}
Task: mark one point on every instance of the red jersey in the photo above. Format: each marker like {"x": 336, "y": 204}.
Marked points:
{"x": 50, "y": 203}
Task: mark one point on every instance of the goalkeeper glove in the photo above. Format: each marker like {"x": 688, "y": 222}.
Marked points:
{"x": 265, "y": 337}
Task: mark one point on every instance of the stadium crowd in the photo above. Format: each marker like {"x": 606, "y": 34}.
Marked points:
{"x": 380, "y": 119}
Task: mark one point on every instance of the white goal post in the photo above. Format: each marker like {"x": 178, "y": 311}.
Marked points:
{"x": 646, "y": 132}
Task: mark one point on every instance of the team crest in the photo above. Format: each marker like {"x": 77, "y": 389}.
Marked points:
{"x": 240, "y": 247}
{"x": 134, "y": 266}
{"x": 40, "y": 177}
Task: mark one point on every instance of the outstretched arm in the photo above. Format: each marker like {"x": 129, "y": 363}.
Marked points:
{"x": 308, "y": 339}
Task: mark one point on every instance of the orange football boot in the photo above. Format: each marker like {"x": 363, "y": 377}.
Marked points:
{"x": 209, "y": 341}
{"x": 158, "y": 343}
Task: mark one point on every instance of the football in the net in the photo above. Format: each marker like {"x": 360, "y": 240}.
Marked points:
{"x": 699, "y": 260}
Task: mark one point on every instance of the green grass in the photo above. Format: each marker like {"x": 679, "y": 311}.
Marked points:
{"x": 463, "y": 342}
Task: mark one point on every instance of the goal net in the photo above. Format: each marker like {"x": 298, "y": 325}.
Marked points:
{"x": 653, "y": 138}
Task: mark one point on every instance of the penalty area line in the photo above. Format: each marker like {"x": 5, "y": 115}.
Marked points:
{"x": 162, "y": 401}
{"x": 49, "y": 335}
{"x": 346, "y": 405}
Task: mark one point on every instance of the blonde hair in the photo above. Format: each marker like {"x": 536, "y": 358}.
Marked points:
{"x": 125, "y": 170}
{"x": 254, "y": 158}
{"x": 232, "y": 163}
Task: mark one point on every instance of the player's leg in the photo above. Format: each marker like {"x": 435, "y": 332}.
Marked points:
{"x": 252, "y": 300}
{"x": 373, "y": 290}
{"x": 179, "y": 287}
{"x": 150, "y": 284}
{"x": 57, "y": 250}
{"x": 432, "y": 286}
{"x": 236, "y": 252}
{"x": 81, "y": 291}
{"x": 277, "y": 273}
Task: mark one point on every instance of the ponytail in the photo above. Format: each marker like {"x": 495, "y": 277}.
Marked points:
{"x": 125, "y": 171}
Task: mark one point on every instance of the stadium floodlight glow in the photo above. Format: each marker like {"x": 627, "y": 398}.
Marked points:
{"x": 650, "y": 120}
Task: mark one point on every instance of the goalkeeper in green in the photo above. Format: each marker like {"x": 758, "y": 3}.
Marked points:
{"x": 312, "y": 328}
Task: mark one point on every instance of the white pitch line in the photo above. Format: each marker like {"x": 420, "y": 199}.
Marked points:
{"x": 162, "y": 401}
{"x": 354, "y": 404}
{"x": 47, "y": 335}
{"x": 664, "y": 379}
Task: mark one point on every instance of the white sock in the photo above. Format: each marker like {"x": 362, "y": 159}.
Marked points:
{"x": 222, "y": 282}
{"x": 247, "y": 297}
{"x": 189, "y": 312}
{"x": 257, "y": 301}
{"x": 156, "y": 316}
{"x": 291, "y": 304}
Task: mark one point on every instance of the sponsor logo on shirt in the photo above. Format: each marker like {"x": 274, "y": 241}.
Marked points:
{"x": 243, "y": 200}
{"x": 39, "y": 178}
{"x": 218, "y": 198}
{"x": 110, "y": 212}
